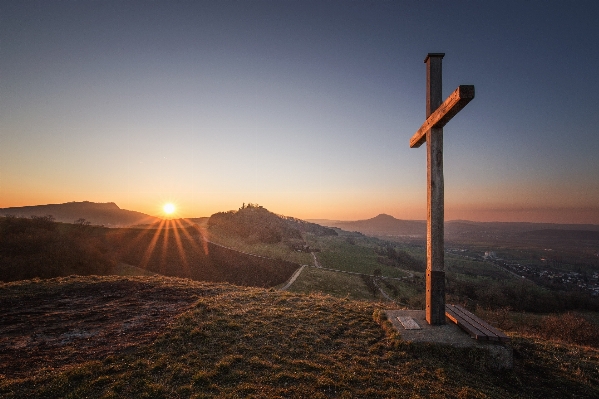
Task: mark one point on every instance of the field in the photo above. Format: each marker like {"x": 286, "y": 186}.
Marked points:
{"x": 218, "y": 340}
{"x": 356, "y": 255}
{"x": 275, "y": 251}
{"x": 342, "y": 285}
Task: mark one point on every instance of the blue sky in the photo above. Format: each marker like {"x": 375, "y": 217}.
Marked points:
{"x": 306, "y": 108}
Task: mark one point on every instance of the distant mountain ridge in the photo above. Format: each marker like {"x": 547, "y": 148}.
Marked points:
{"x": 381, "y": 225}
{"x": 387, "y": 225}
{"x": 107, "y": 214}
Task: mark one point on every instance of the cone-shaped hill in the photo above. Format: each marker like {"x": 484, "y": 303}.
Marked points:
{"x": 255, "y": 222}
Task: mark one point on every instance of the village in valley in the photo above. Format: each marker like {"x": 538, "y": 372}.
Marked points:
{"x": 544, "y": 272}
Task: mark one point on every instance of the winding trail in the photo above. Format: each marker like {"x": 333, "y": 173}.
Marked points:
{"x": 292, "y": 279}
{"x": 383, "y": 293}
{"x": 316, "y": 264}
{"x": 299, "y": 271}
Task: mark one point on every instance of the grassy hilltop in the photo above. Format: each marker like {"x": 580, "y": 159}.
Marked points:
{"x": 160, "y": 337}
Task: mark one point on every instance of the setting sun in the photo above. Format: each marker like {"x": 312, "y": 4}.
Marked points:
{"x": 169, "y": 208}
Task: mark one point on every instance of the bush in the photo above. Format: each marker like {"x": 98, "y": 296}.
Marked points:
{"x": 520, "y": 295}
{"x": 571, "y": 328}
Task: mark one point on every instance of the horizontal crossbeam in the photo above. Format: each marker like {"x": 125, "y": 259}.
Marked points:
{"x": 450, "y": 107}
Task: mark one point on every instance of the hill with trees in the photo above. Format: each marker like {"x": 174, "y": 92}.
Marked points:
{"x": 255, "y": 223}
{"x": 41, "y": 247}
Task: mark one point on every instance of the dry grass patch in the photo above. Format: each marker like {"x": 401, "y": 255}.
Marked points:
{"x": 342, "y": 285}
{"x": 278, "y": 250}
{"x": 251, "y": 342}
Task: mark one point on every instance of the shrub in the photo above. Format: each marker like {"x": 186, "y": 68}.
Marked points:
{"x": 571, "y": 328}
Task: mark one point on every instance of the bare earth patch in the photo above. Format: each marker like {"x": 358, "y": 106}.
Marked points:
{"x": 50, "y": 328}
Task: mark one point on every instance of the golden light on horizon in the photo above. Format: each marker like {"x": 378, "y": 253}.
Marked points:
{"x": 169, "y": 208}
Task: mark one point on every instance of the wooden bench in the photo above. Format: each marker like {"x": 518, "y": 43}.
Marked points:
{"x": 474, "y": 326}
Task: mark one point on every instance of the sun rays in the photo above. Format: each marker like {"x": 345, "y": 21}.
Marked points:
{"x": 183, "y": 234}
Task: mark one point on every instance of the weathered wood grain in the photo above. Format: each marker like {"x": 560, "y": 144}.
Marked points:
{"x": 435, "y": 280}
{"x": 443, "y": 114}
{"x": 476, "y": 327}
{"x": 438, "y": 113}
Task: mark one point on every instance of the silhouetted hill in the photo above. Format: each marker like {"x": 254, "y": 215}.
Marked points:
{"x": 386, "y": 225}
{"x": 382, "y": 225}
{"x": 107, "y": 214}
{"x": 255, "y": 222}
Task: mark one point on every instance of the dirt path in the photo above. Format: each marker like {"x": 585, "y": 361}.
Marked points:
{"x": 316, "y": 264}
{"x": 383, "y": 293}
{"x": 292, "y": 279}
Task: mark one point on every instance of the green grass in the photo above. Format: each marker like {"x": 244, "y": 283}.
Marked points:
{"x": 249, "y": 342}
{"x": 276, "y": 251}
{"x": 409, "y": 293}
{"x": 337, "y": 253}
{"x": 459, "y": 265}
{"x": 342, "y": 285}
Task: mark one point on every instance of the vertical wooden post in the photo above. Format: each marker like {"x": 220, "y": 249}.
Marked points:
{"x": 435, "y": 266}
{"x": 431, "y": 131}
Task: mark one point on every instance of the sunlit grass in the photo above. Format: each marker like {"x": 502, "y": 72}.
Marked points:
{"x": 275, "y": 251}
{"x": 250, "y": 342}
{"x": 337, "y": 253}
{"x": 343, "y": 285}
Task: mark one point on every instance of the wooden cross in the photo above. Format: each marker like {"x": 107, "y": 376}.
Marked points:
{"x": 431, "y": 131}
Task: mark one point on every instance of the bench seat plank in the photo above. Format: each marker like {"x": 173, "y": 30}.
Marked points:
{"x": 476, "y": 327}
{"x": 465, "y": 324}
{"x": 496, "y": 333}
{"x": 465, "y": 316}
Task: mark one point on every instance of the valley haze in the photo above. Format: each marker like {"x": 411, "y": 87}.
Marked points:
{"x": 111, "y": 215}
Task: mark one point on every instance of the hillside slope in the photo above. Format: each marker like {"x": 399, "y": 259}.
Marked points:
{"x": 257, "y": 223}
{"x": 43, "y": 248}
{"x": 183, "y": 253}
{"x": 159, "y": 337}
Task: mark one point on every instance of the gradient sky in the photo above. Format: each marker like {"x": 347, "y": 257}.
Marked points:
{"x": 303, "y": 107}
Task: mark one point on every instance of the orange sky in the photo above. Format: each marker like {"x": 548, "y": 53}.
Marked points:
{"x": 305, "y": 108}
